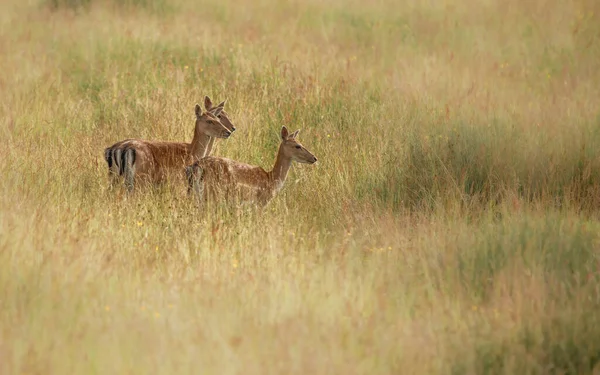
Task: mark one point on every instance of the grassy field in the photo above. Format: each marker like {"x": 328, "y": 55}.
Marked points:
{"x": 451, "y": 225}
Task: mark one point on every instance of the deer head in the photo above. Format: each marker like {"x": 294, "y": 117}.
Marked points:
{"x": 209, "y": 124}
{"x": 222, "y": 116}
{"x": 293, "y": 149}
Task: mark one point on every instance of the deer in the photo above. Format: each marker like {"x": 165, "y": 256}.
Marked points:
{"x": 151, "y": 161}
{"x": 211, "y": 178}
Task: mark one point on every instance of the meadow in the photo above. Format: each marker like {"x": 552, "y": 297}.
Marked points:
{"x": 451, "y": 225}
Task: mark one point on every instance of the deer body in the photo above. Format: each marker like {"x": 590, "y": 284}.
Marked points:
{"x": 213, "y": 178}
{"x": 152, "y": 161}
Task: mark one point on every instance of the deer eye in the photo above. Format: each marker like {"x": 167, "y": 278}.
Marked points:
{"x": 298, "y": 147}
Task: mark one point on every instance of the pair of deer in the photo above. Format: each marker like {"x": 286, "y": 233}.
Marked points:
{"x": 208, "y": 177}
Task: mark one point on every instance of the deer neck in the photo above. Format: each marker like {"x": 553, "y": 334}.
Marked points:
{"x": 209, "y": 148}
{"x": 199, "y": 146}
{"x": 280, "y": 170}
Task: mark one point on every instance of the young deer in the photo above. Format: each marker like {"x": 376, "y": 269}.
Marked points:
{"x": 213, "y": 177}
{"x": 151, "y": 161}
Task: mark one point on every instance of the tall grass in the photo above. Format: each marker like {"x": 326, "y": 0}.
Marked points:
{"x": 450, "y": 225}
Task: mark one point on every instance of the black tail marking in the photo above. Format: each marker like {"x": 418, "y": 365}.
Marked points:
{"x": 125, "y": 154}
{"x": 194, "y": 173}
{"x": 122, "y": 162}
{"x": 108, "y": 157}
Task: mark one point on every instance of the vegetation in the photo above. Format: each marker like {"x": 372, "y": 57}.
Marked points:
{"x": 450, "y": 226}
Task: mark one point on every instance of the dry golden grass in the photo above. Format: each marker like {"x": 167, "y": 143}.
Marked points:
{"x": 451, "y": 225}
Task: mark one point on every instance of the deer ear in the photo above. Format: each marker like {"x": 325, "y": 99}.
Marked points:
{"x": 198, "y": 110}
{"x": 284, "y": 133}
{"x": 222, "y": 104}
{"x": 217, "y": 111}
{"x": 207, "y": 103}
{"x": 293, "y": 136}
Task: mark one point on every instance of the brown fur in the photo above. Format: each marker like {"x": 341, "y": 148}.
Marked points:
{"x": 215, "y": 178}
{"x": 152, "y": 161}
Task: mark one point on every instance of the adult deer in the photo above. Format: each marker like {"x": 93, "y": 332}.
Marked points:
{"x": 213, "y": 177}
{"x": 151, "y": 161}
